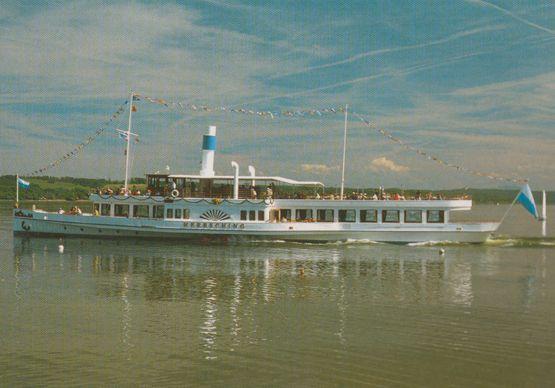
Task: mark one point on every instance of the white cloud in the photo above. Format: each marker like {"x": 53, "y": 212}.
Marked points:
{"x": 384, "y": 164}
{"x": 99, "y": 50}
{"x": 318, "y": 168}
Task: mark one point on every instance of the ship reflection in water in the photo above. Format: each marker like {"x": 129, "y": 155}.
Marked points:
{"x": 327, "y": 312}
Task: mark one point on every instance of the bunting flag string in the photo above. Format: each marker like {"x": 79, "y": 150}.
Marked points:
{"x": 79, "y": 148}
{"x": 252, "y": 112}
{"x": 439, "y": 161}
{"x": 268, "y": 114}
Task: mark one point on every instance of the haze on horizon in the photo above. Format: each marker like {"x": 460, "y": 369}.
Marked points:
{"x": 470, "y": 81}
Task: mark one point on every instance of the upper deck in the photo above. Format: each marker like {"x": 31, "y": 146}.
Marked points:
{"x": 222, "y": 186}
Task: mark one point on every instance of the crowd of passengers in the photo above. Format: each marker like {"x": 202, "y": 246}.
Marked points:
{"x": 269, "y": 193}
{"x": 379, "y": 195}
{"x": 121, "y": 191}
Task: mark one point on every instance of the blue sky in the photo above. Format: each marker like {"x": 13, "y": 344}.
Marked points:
{"x": 470, "y": 81}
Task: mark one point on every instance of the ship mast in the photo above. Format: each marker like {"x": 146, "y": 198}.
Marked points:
{"x": 344, "y": 151}
{"x": 128, "y": 143}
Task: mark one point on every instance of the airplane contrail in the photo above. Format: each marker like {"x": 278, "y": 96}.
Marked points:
{"x": 513, "y": 15}
{"x": 377, "y": 52}
{"x": 391, "y": 73}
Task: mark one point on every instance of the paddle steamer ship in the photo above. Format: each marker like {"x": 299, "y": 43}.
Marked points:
{"x": 237, "y": 206}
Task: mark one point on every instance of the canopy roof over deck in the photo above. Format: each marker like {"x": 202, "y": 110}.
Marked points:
{"x": 248, "y": 178}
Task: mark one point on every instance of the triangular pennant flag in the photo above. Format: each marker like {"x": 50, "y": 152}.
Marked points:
{"x": 526, "y": 198}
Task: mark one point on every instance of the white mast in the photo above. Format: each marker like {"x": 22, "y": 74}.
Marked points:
{"x": 543, "y": 217}
{"x": 344, "y": 151}
{"x": 128, "y": 143}
{"x": 17, "y": 190}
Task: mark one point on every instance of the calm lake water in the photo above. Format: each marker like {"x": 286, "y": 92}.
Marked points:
{"x": 136, "y": 312}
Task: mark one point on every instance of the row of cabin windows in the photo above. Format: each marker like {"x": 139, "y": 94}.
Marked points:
{"x": 250, "y": 215}
{"x": 322, "y": 215}
{"x": 177, "y": 213}
{"x": 366, "y": 215}
{"x": 141, "y": 211}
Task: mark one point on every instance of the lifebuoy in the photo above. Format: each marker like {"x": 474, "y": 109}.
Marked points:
{"x": 175, "y": 193}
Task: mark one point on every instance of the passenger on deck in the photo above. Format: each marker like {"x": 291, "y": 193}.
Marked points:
{"x": 135, "y": 191}
{"x": 375, "y": 196}
{"x": 254, "y": 194}
{"x": 75, "y": 211}
{"x": 269, "y": 192}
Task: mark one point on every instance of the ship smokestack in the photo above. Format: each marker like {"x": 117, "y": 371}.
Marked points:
{"x": 208, "y": 150}
{"x": 235, "y": 166}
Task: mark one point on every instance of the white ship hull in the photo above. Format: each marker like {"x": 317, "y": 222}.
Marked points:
{"x": 42, "y": 223}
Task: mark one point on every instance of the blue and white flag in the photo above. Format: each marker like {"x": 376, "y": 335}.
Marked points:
{"x": 23, "y": 184}
{"x": 526, "y": 198}
{"x": 123, "y": 135}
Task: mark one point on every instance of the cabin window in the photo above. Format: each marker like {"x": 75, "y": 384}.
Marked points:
{"x": 105, "y": 209}
{"x": 413, "y": 216}
{"x": 169, "y": 213}
{"x": 369, "y": 215}
{"x": 390, "y": 215}
{"x": 347, "y": 215}
{"x": 178, "y": 213}
{"x": 261, "y": 215}
{"x": 158, "y": 211}
{"x": 435, "y": 216}
{"x": 186, "y": 214}
{"x": 252, "y": 215}
{"x": 96, "y": 208}
{"x": 303, "y": 214}
{"x": 243, "y": 215}
{"x": 121, "y": 210}
{"x": 140, "y": 211}
{"x": 324, "y": 215}
{"x": 285, "y": 215}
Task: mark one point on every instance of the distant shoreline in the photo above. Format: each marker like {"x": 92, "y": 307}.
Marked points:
{"x": 46, "y": 189}
{"x": 44, "y": 200}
